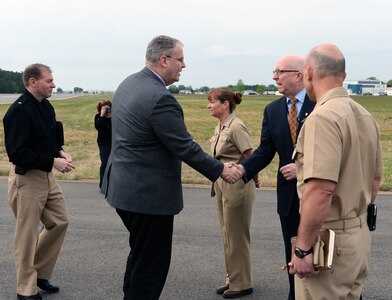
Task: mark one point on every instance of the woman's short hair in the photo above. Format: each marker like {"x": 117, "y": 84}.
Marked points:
{"x": 103, "y": 103}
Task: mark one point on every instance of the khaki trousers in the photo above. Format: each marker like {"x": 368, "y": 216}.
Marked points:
{"x": 350, "y": 269}
{"x": 234, "y": 207}
{"x": 35, "y": 197}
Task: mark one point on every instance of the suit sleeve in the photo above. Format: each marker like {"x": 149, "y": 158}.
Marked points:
{"x": 264, "y": 154}
{"x": 168, "y": 124}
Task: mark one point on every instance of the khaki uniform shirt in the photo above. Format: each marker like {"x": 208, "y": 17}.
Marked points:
{"x": 340, "y": 141}
{"x": 231, "y": 141}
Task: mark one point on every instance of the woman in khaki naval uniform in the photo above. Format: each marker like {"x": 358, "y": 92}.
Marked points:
{"x": 231, "y": 143}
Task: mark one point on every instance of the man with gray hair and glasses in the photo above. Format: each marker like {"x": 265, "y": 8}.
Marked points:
{"x": 143, "y": 176}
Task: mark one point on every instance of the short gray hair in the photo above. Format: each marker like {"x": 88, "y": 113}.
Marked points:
{"x": 34, "y": 71}
{"x": 327, "y": 65}
{"x": 160, "y": 45}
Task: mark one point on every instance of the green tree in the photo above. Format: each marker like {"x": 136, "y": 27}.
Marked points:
{"x": 11, "y": 82}
{"x": 371, "y": 78}
{"x": 60, "y": 90}
{"x": 181, "y": 87}
{"x": 204, "y": 89}
{"x": 260, "y": 88}
{"x": 272, "y": 87}
{"x": 240, "y": 86}
{"x": 77, "y": 90}
{"x": 173, "y": 89}
{"x": 389, "y": 83}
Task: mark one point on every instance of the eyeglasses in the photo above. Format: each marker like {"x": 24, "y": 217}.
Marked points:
{"x": 181, "y": 60}
{"x": 280, "y": 72}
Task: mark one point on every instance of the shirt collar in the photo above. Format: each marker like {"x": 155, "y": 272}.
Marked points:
{"x": 228, "y": 120}
{"x": 159, "y": 76}
{"x": 332, "y": 93}
{"x": 300, "y": 96}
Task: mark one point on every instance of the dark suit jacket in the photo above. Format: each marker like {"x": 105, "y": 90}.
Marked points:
{"x": 275, "y": 138}
{"x": 149, "y": 141}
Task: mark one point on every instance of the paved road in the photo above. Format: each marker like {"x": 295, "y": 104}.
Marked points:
{"x": 93, "y": 257}
{"x": 9, "y": 98}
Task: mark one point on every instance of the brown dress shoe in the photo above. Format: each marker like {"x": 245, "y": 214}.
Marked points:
{"x": 220, "y": 290}
{"x": 236, "y": 294}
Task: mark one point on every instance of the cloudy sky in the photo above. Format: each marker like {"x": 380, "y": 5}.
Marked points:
{"x": 95, "y": 44}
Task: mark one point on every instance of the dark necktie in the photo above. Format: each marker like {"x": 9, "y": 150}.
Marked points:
{"x": 293, "y": 119}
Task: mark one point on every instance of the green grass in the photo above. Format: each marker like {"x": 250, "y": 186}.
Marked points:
{"x": 78, "y": 117}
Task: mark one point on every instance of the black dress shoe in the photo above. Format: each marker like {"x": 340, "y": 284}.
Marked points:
{"x": 220, "y": 290}
{"x": 47, "y": 286}
{"x": 236, "y": 294}
{"x": 36, "y": 297}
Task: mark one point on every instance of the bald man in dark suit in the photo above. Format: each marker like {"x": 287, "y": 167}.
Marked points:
{"x": 276, "y": 138}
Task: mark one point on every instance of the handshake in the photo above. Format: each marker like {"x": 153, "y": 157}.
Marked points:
{"x": 232, "y": 172}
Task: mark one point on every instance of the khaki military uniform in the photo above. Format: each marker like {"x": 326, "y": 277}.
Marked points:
{"x": 340, "y": 141}
{"x": 234, "y": 203}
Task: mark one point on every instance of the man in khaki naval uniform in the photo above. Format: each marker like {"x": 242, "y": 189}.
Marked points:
{"x": 338, "y": 158}
{"x": 34, "y": 149}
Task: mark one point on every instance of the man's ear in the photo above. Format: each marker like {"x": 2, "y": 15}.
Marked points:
{"x": 32, "y": 82}
{"x": 308, "y": 74}
{"x": 163, "y": 61}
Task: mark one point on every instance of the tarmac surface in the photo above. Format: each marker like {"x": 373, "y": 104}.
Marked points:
{"x": 93, "y": 257}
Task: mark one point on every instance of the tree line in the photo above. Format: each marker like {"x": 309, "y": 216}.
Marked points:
{"x": 11, "y": 82}
{"x": 239, "y": 87}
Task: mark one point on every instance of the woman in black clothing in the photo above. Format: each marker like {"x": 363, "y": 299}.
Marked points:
{"x": 103, "y": 123}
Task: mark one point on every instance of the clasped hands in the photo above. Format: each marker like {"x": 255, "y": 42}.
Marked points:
{"x": 63, "y": 163}
{"x": 232, "y": 172}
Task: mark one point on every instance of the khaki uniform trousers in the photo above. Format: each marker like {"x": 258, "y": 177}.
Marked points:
{"x": 234, "y": 207}
{"x": 34, "y": 197}
{"x": 350, "y": 268}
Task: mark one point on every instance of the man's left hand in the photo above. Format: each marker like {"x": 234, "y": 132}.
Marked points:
{"x": 303, "y": 267}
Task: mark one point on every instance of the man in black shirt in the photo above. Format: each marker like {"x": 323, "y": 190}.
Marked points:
{"x": 34, "y": 149}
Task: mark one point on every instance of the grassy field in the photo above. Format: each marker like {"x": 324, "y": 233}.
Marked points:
{"x": 78, "y": 114}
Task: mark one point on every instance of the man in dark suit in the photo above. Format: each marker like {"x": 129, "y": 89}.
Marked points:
{"x": 142, "y": 180}
{"x": 276, "y": 138}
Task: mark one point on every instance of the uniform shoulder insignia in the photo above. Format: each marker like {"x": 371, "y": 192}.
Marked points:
{"x": 21, "y": 101}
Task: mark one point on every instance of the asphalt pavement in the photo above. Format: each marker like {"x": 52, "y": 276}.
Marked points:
{"x": 93, "y": 257}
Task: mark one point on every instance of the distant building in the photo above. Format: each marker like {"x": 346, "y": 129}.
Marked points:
{"x": 388, "y": 91}
{"x": 275, "y": 93}
{"x": 185, "y": 92}
{"x": 365, "y": 87}
{"x": 249, "y": 92}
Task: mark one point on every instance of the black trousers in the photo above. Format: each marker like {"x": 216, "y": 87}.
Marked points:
{"x": 289, "y": 225}
{"x": 104, "y": 152}
{"x": 150, "y": 239}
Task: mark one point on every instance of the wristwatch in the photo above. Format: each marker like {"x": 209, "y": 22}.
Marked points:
{"x": 302, "y": 253}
